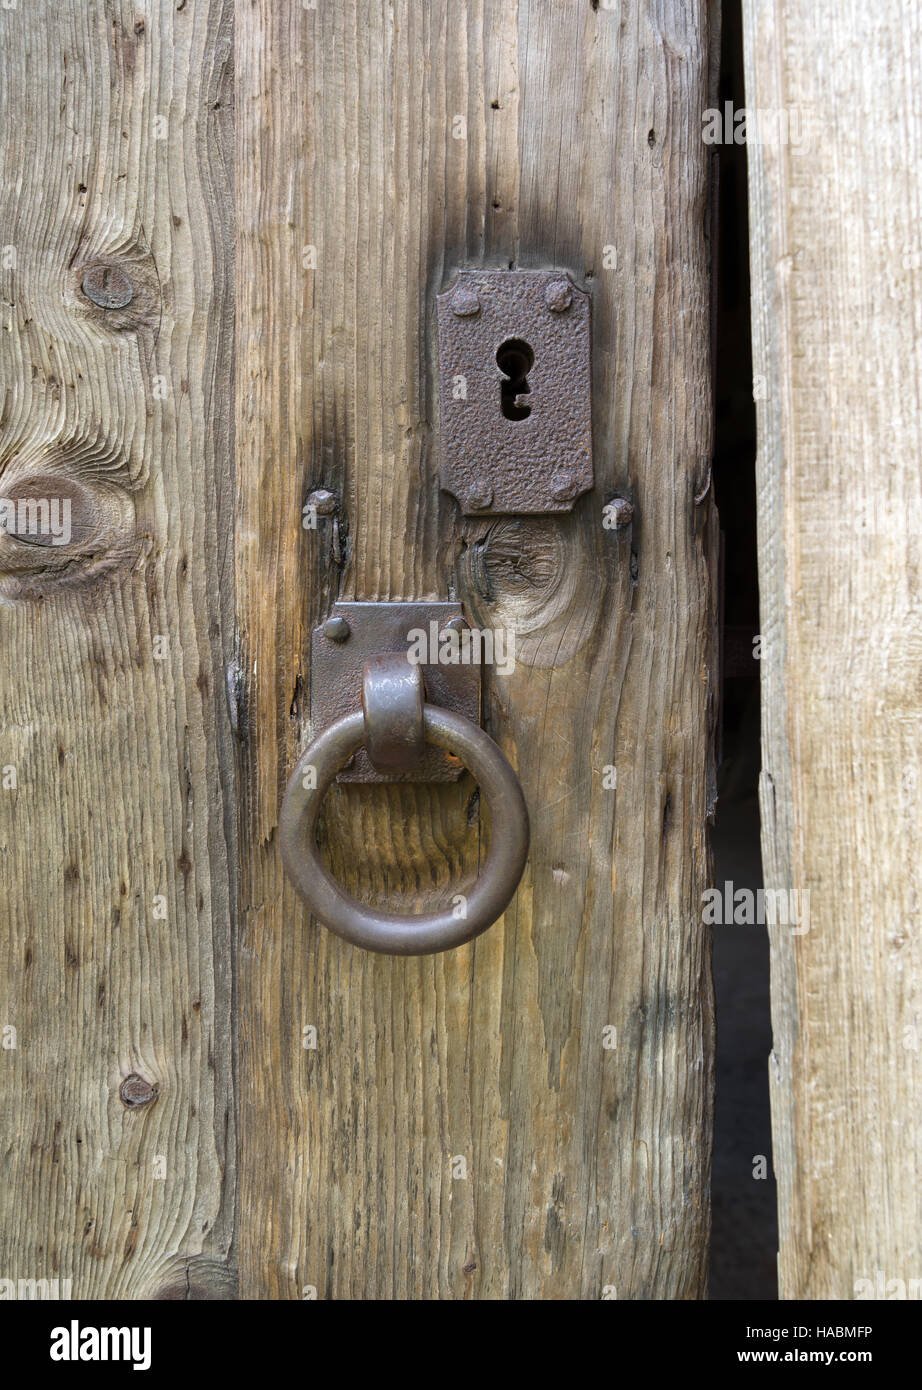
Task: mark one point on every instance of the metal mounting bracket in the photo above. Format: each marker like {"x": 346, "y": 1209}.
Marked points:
{"x": 356, "y": 633}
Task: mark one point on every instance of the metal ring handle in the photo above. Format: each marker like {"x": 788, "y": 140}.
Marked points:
{"x": 382, "y": 931}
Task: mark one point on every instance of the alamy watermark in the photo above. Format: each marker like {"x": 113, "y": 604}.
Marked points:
{"x": 881, "y": 1289}
{"x": 751, "y": 125}
{"x": 462, "y": 646}
{"x": 38, "y": 517}
{"x": 30, "y": 1290}
{"x": 741, "y": 907}
{"x": 78, "y": 1342}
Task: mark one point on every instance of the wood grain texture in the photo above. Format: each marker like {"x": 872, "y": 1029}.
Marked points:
{"x": 117, "y": 838}
{"x": 836, "y": 255}
{"x": 586, "y": 1169}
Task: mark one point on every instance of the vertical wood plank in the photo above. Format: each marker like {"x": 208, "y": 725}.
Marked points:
{"x": 836, "y": 255}
{"x": 117, "y": 1144}
{"x": 460, "y": 1129}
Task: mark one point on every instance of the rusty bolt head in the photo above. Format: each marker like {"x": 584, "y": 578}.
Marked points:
{"x": 481, "y": 496}
{"x": 107, "y": 286}
{"x": 558, "y": 296}
{"x": 565, "y": 487}
{"x": 465, "y": 302}
{"x": 135, "y": 1091}
{"x": 336, "y": 629}
{"x": 618, "y": 512}
{"x": 323, "y": 501}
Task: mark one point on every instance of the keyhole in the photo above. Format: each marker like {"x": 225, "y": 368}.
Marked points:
{"x": 515, "y": 360}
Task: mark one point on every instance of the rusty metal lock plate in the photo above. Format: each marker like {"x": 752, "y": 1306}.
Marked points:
{"x": 515, "y": 417}
{"x": 352, "y": 634}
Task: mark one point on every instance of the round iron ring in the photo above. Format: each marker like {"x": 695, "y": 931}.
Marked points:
{"x": 391, "y": 933}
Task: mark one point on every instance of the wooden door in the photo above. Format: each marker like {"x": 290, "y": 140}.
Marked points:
{"x": 209, "y": 1095}
{"x": 835, "y": 276}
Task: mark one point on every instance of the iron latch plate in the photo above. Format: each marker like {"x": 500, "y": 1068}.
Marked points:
{"x": 515, "y": 442}
{"x": 352, "y": 634}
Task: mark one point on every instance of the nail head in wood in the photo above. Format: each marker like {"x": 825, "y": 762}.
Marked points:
{"x": 323, "y": 501}
{"x": 619, "y": 513}
{"x": 107, "y": 286}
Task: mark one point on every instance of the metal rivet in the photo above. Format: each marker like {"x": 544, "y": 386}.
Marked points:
{"x": 107, "y": 286}
{"x": 565, "y": 487}
{"x": 481, "y": 496}
{"x": 135, "y": 1091}
{"x": 558, "y": 296}
{"x": 465, "y": 302}
{"x": 336, "y": 629}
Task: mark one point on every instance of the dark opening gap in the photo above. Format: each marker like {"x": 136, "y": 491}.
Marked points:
{"x": 744, "y": 1237}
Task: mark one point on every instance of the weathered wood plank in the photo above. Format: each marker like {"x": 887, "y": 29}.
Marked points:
{"x": 116, "y": 841}
{"x": 578, "y": 129}
{"x": 835, "y": 297}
